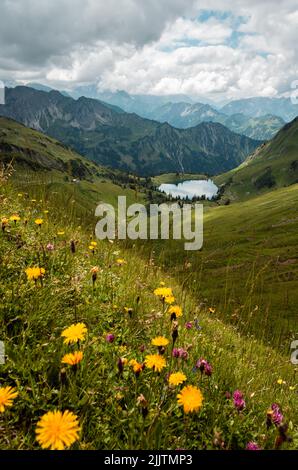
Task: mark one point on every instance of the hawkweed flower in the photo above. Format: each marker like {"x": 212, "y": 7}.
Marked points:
{"x": 34, "y": 273}
{"x": 136, "y": 366}
{"x": 94, "y": 272}
{"x": 190, "y": 398}
{"x": 177, "y": 378}
{"x": 15, "y": 218}
{"x": 57, "y": 430}
{"x": 143, "y": 403}
{"x": 170, "y": 299}
{"x": 238, "y": 400}
{"x": 74, "y": 333}
{"x": 163, "y": 292}
{"x": 204, "y": 367}
{"x": 252, "y": 446}
{"x": 7, "y": 395}
{"x": 120, "y": 261}
{"x": 72, "y": 359}
{"x": 161, "y": 342}
{"x": 38, "y": 222}
{"x": 128, "y": 310}
{"x": 175, "y": 311}
{"x": 155, "y": 362}
{"x": 4, "y": 223}
{"x": 110, "y": 338}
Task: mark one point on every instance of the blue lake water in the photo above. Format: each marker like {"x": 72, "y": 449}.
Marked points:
{"x": 190, "y": 188}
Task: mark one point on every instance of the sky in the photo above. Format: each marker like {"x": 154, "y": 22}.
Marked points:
{"x": 220, "y": 49}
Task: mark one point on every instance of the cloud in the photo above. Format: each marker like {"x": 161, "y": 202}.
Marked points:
{"x": 213, "y": 48}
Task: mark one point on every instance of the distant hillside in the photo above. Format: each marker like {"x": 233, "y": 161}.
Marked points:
{"x": 111, "y": 137}
{"x": 273, "y": 165}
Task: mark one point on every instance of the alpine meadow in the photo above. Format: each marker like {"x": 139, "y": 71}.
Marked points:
{"x": 128, "y": 340}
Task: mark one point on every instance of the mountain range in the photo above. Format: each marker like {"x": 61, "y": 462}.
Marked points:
{"x": 109, "y": 136}
{"x": 183, "y": 115}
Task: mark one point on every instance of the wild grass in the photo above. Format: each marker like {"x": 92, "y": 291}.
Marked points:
{"x": 116, "y": 408}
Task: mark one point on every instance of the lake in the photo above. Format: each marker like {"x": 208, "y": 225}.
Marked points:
{"x": 190, "y": 188}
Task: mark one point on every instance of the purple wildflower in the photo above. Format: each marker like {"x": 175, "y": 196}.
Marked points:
{"x": 50, "y": 247}
{"x": 238, "y": 400}
{"x": 188, "y": 325}
{"x": 110, "y": 338}
{"x": 204, "y": 366}
{"x": 275, "y": 414}
{"x": 180, "y": 353}
{"x": 252, "y": 446}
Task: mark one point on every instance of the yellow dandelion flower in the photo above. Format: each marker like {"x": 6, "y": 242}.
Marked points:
{"x": 170, "y": 299}
{"x": 155, "y": 362}
{"x": 57, "y": 430}
{"x": 93, "y": 243}
{"x": 191, "y": 398}
{"x": 128, "y": 310}
{"x": 177, "y": 378}
{"x": 72, "y": 359}
{"x": 74, "y": 333}
{"x": 15, "y": 218}
{"x": 163, "y": 292}
{"x": 60, "y": 233}
{"x": 91, "y": 247}
{"x": 136, "y": 366}
{"x": 94, "y": 270}
{"x": 7, "y": 395}
{"x": 292, "y": 387}
{"x": 175, "y": 310}
{"x": 38, "y": 222}
{"x": 120, "y": 261}
{"x": 4, "y": 222}
{"x": 34, "y": 273}
{"x": 160, "y": 341}
{"x": 280, "y": 381}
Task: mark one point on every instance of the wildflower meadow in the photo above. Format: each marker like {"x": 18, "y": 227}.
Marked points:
{"x": 105, "y": 350}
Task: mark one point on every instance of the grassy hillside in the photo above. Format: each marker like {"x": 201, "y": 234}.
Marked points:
{"x": 248, "y": 266}
{"x": 272, "y": 166}
{"x": 42, "y": 161}
{"x": 116, "y": 407}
